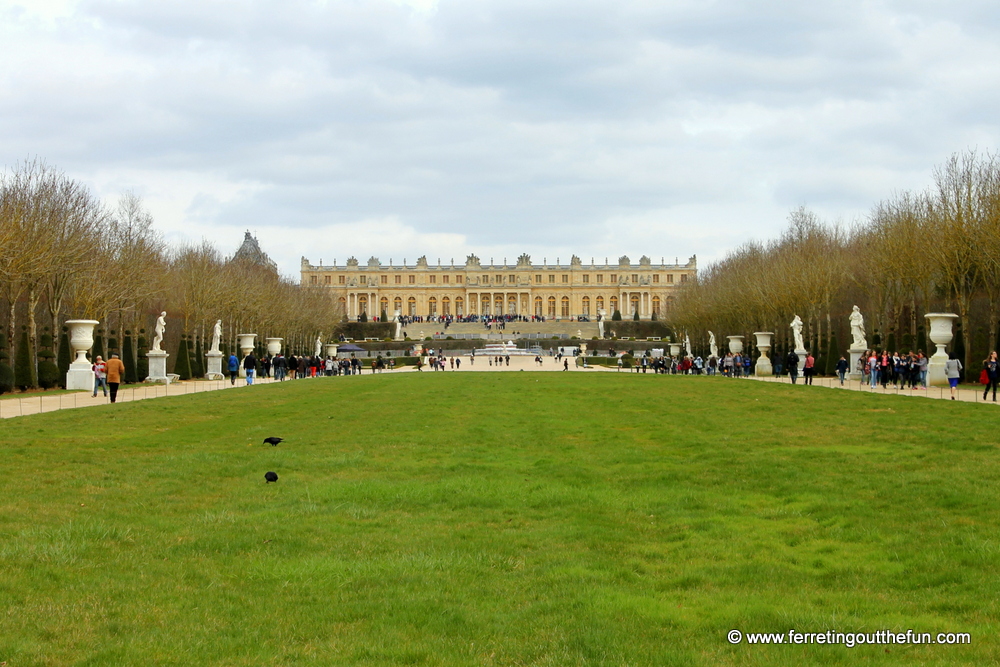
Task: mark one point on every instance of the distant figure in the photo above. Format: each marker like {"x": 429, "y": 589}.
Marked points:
{"x": 273, "y": 441}
{"x": 270, "y": 477}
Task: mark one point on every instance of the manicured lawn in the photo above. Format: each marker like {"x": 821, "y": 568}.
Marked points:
{"x": 499, "y": 519}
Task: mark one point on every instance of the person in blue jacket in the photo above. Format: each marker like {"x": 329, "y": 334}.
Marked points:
{"x": 234, "y": 368}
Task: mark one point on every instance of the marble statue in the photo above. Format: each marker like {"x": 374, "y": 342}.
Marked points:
{"x": 687, "y": 345}
{"x": 396, "y": 317}
{"x": 161, "y": 325}
{"x": 319, "y": 346}
{"x": 858, "y": 330}
{"x": 796, "y": 326}
{"x": 601, "y": 314}
{"x": 216, "y": 336}
{"x": 712, "y": 347}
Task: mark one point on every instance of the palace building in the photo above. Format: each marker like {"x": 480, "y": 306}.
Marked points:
{"x": 549, "y": 290}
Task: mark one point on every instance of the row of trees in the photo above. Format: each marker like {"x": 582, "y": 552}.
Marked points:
{"x": 64, "y": 254}
{"x": 917, "y": 252}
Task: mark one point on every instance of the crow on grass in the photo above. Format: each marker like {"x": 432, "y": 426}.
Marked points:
{"x": 273, "y": 441}
{"x": 270, "y": 477}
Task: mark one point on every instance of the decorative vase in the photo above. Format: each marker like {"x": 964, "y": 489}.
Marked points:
{"x": 735, "y": 344}
{"x": 81, "y": 338}
{"x": 273, "y": 345}
{"x": 246, "y": 347}
{"x": 940, "y": 334}
{"x": 763, "y": 366}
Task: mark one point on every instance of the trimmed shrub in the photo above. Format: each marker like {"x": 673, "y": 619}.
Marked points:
{"x": 98, "y": 350}
{"x": 128, "y": 359}
{"x": 48, "y": 374}
{"x": 141, "y": 360}
{"x": 833, "y": 355}
{"x": 616, "y": 316}
{"x": 24, "y": 370}
{"x": 635, "y": 316}
{"x": 182, "y": 367}
{"x": 197, "y": 367}
{"x": 63, "y": 357}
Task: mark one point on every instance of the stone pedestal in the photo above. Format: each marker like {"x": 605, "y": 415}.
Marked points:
{"x": 940, "y": 334}
{"x": 735, "y": 344}
{"x": 856, "y": 353}
{"x": 214, "y": 366}
{"x": 763, "y": 366}
{"x": 157, "y": 366}
{"x": 675, "y": 349}
{"x": 802, "y": 354}
{"x": 80, "y": 375}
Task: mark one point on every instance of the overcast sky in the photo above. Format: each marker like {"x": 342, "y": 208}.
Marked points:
{"x": 439, "y": 128}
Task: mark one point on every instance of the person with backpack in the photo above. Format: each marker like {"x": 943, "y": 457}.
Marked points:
{"x": 234, "y": 368}
{"x": 792, "y": 362}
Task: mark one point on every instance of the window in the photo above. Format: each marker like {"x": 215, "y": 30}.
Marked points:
{"x": 552, "y": 304}
{"x": 635, "y": 278}
{"x": 499, "y": 279}
{"x": 552, "y": 279}
{"x": 383, "y": 306}
{"x": 586, "y": 278}
{"x": 614, "y": 304}
{"x": 600, "y": 278}
{"x": 343, "y": 305}
{"x": 411, "y": 306}
{"x": 458, "y": 280}
{"x": 635, "y": 305}
{"x": 341, "y": 279}
{"x": 600, "y": 303}
{"x": 397, "y": 304}
{"x": 586, "y": 304}
{"x": 433, "y": 279}
{"x": 614, "y": 278}
{"x": 538, "y": 279}
{"x": 538, "y": 306}
{"x": 485, "y": 307}
{"x": 413, "y": 280}
{"x": 446, "y": 305}
{"x": 432, "y": 306}
{"x": 656, "y": 277}
{"x": 670, "y": 277}
{"x": 384, "y": 280}
{"x": 565, "y": 306}
{"x": 486, "y": 280}
{"x": 363, "y": 305}
{"x": 565, "y": 278}
{"x": 312, "y": 280}
{"x": 511, "y": 305}
{"x": 684, "y": 277}
{"x": 459, "y": 306}
{"x": 399, "y": 280}
{"x": 327, "y": 280}
{"x": 669, "y": 304}
{"x": 656, "y": 305}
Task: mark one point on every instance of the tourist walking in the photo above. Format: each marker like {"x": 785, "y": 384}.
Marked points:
{"x": 953, "y": 371}
{"x": 234, "y": 368}
{"x": 115, "y": 370}
{"x": 792, "y": 361}
{"x": 250, "y": 366}
{"x": 809, "y": 369}
{"x": 992, "y": 369}
{"x": 100, "y": 377}
{"x": 842, "y": 369}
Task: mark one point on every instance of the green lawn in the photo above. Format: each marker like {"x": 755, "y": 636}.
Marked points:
{"x": 499, "y": 519}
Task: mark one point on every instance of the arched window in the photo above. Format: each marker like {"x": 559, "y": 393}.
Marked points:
{"x": 512, "y": 304}
{"x": 397, "y": 304}
{"x": 565, "y": 306}
{"x": 432, "y": 306}
{"x": 635, "y": 304}
{"x": 538, "y": 306}
{"x": 384, "y": 307}
{"x": 600, "y": 303}
{"x": 446, "y": 306}
{"x": 459, "y": 306}
{"x": 614, "y": 304}
{"x": 656, "y": 306}
{"x": 411, "y": 306}
{"x": 586, "y": 305}
{"x": 552, "y": 306}
{"x": 669, "y": 305}
{"x": 363, "y": 305}
{"x": 486, "y": 304}
{"x": 498, "y": 304}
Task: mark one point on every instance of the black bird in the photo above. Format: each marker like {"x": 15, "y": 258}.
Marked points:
{"x": 270, "y": 477}
{"x": 273, "y": 441}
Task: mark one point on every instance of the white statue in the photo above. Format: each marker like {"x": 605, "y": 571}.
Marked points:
{"x": 858, "y": 330}
{"x": 161, "y": 325}
{"x": 687, "y": 345}
{"x": 712, "y": 347}
{"x": 796, "y": 326}
{"x": 216, "y": 336}
{"x": 396, "y": 317}
{"x": 601, "y": 314}
{"x": 319, "y": 346}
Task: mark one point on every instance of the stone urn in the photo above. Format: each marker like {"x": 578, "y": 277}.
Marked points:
{"x": 81, "y": 339}
{"x": 763, "y": 366}
{"x": 331, "y": 349}
{"x": 246, "y": 347}
{"x": 735, "y": 344}
{"x": 940, "y": 334}
{"x": 273, "y": 345}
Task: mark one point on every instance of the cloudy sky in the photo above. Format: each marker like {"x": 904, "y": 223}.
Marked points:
{"x": 442, "y": 127}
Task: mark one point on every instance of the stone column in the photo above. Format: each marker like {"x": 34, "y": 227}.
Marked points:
{"x": 763, "y": 366}
{"x": 940, "y": 334}
{"x": 80, "y": 376}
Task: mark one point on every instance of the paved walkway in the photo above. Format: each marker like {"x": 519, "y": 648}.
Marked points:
{"x": 31, "y": 405}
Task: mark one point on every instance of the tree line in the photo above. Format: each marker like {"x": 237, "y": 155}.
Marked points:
{"x": 915, "y": 252}
{"x": 65, "y": 254}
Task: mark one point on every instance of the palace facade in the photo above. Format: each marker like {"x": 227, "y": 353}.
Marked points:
{"x": 550, "y": 290}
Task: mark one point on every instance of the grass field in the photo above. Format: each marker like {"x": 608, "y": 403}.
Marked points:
{"x": 499, "y": 519}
